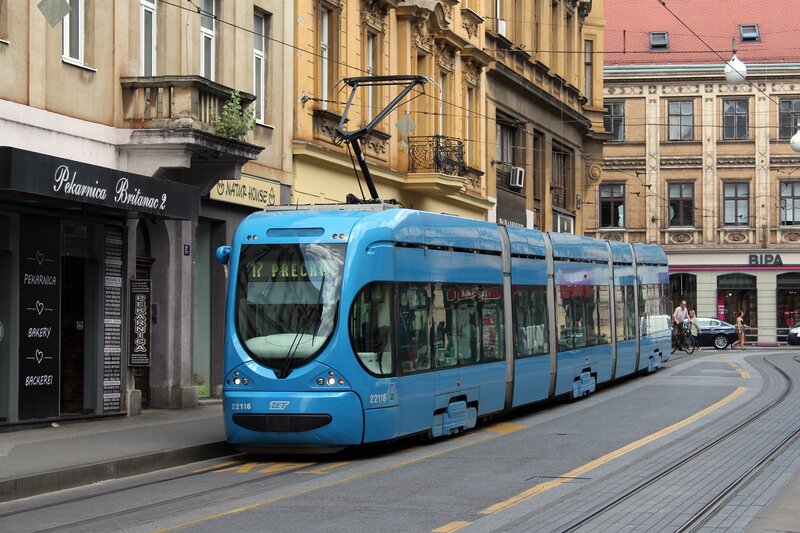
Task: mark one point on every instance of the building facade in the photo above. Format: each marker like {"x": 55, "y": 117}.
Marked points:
{"x": 501, "y": 100}
{"x": 115, "y": 187}
{"x": 701, "y": 166}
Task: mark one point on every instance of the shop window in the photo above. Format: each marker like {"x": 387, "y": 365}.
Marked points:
{"x": 681, "y": 204}
{"x": 790, "y": 203}
{"x": 787, "y": 296}
{"x": 683, "y": 287}
{"x": 614, "y": 120}
{"x": 738, "y": 292}
{"x": 612, "y": 206}
{"x": 734, "y": 119}
{"x": 680, "y": 120}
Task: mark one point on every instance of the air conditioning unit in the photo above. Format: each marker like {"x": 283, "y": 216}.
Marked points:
{"x": 517, "y": 177}
{"x": 501, "y": 27}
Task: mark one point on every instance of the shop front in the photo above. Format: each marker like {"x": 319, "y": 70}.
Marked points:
{"x": 66, "y": 263}
{"x": 765, "y": 286}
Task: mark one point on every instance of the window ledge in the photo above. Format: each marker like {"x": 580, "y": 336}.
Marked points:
{"x": 74, "y": 63}
{"x": 265, "y": 125}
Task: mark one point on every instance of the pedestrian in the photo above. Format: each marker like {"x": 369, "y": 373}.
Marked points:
{"x": 740, "y": 325}
{"x": 694, "y": 329}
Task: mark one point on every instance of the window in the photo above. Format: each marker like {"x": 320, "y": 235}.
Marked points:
{"x": 371, "y": 328}
{"x": 614, "y": 120}
{"x": 563, "y": 223}
{"x": 327, "y": 52}
{"x": 208, "y": 22}
{"x": 625, "y": 312}
{"x": 790, "y": 203}
{"x": 562, "y": 181}
{"x": 749, "y": 33}
{"x": 470, "y": 118}
{"x": 73, "y": 32}
{"x": 612, "y": 206}
{"x": 736, "y": 203}
{"x": 734, "y": 119}
{"x": 681, "y": 120}
{"x": 788, "y": 117}
{"x": 371, "y": 66}
{"x": 531, "y": 330}
{"x": 681, "y": 204}
{"x": 259, "y": 48}
{"x": 584, "y": 317}
{"x": 659, "y": 40}
{"x": 505, "y": 159}
{"x": 588, "y": 70}
{"x": 148, "y": 37}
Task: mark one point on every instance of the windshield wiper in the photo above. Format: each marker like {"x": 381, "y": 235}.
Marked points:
{"x": 295, "y": 345}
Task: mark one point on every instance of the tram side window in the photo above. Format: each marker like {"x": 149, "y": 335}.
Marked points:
{"x": 490, "y": 304}
{"x": 603, "y": 312}
{"x": 461, "y": 305}
{"x": 626, "y": 313}
{"x": 414, "y": 327}
{"x": 655, "y": 315}
{"x": 371, "y": 328}
{"x": 578, "y": 315}
{"x": 531, "y": 332}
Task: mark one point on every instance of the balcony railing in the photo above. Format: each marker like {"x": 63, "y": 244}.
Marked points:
{"x": 437, "y": 153}
{"x": 174, "y": 101}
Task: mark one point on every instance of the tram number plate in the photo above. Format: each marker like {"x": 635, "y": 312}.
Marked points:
{"x": 377, "y": 398}
{"x": 241, "y": 406}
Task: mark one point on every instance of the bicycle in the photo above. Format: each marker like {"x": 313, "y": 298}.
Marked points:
{"x": 683, "y": 340}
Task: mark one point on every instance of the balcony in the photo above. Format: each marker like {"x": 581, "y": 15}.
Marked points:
{"x": 437, "y": 163}
{"x": 172, "y": 133}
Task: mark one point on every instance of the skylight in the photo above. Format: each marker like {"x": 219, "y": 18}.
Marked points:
{"x": 659, "y": 40}
{"x": 749, "y": 33}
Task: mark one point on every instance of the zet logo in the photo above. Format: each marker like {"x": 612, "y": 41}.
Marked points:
{"x": 278, "y": 405}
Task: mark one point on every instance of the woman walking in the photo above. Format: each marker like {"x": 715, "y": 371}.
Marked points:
{"x": 740, "y": 325}
{"x": 694, "y": 329}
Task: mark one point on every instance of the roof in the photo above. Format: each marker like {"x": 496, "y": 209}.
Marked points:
{"x": 700, "y": 31}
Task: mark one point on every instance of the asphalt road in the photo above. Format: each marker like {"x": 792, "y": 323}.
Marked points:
{"x": 542, "y": 469}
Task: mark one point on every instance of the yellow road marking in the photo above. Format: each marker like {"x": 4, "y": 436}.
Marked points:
{"x": 243, "y": 469}
{"x": 335, "y": 483}
{"x": 740, "y": 370}
{"x": 452, "y": 526}
{"x": 280, "y": 467}
{"x": 504, "y": 428}
{"x": 214, "y": 467}
{"x": 325, "y": 468}
{"x": 581, "y": 470}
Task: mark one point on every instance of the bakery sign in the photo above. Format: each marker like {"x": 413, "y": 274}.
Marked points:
{"x": 31, "y": 172}
{"x": 254, "y": 192}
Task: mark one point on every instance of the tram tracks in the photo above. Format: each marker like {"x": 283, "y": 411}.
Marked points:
{"x": 724, "y": 494}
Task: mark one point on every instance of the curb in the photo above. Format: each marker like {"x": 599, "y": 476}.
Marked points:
{"x": 77, "y": 476}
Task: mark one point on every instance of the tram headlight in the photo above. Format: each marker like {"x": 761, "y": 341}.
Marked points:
{"x": 331, "y": 381}
{"x": 237, "y": 381}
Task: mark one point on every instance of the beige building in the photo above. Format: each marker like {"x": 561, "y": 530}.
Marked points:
{"x": 701, "y": 166}
{"x": 112, "y": 172}
{"x": 513, "y": 101}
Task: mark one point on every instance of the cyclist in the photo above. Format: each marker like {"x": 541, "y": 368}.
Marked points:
{"x": 679, "y": 316}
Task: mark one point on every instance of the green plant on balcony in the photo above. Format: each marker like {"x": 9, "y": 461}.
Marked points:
{"x": 235, "y": 120}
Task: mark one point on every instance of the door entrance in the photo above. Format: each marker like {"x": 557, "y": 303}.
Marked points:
{"x": 73, "y": 323}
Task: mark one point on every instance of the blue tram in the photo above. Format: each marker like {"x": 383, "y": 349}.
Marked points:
{"x": 366, "y": 323}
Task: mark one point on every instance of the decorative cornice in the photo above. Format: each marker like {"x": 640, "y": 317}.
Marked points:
{"x": 681, "y": 237}
{"x": 736, "y": 237}
{"x": 736, "y": 162}
{"x": 633, "y": 162}
{"x": 623, "y": 91}
{"x": 680, "y": 89}
{"x": 681, "y": 161}
{"x": 784, "y": 160}
{"x": 470, "y": 21}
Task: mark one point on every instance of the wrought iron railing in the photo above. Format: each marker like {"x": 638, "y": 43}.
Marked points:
{"x": 437, "y": 153}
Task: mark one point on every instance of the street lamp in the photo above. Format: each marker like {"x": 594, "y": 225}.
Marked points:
{"x": 735, "y": 70}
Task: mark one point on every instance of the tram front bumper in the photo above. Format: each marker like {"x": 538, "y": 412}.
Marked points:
{"x": 293, "y": 418}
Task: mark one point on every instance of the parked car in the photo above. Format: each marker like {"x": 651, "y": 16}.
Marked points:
{"x": 716, "y": 333}
{"x": 793, "y": 337}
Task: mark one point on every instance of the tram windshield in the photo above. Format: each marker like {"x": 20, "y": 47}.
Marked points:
{"x": 286, "y": 301}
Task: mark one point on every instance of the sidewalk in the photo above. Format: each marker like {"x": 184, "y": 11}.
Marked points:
{"x": 35, "y": 461}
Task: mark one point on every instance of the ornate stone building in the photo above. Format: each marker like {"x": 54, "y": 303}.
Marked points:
{"x": 703, "y": 167}
{"x": 502, "y": 99}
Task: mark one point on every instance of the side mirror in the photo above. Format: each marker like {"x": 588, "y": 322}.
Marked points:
{"x": 223, "y": 255}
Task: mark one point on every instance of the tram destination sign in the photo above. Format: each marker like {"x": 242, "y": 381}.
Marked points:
{"x": 31, "y": 172}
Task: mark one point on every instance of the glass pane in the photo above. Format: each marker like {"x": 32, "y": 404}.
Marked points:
{"x": 74, "y": 29}
{"x": 728, "y": 106}
{"x": 686, "y": 132}
{"x": 371, "y": 328}
{"x": 148, "y": 43}
{"x": 730, "y": 216}
{"x": 258, "y": 33}
{"x": 208, "y": 52}
{"x": 674, "y": 108}
{"x": 207, "y": 15}
{"x": 674, "y": 132}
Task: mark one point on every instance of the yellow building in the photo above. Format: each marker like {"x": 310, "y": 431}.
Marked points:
{"x": 700, "y": 165}
{"x": 513, "y": 90}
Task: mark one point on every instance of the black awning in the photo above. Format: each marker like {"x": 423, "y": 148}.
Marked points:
{"x": 55, "y": 177}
